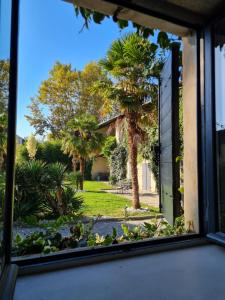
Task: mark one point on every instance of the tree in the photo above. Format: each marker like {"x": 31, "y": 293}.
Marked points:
{"x": 31, "y": 146}
{"x": 91, "y": 100}
{"x": 67, "y": 93}
{"x": 131, "y": 61}
{"x": 4, "y": 93}
{"x": 82, "y": 141}
{"x": 58, "y": 96}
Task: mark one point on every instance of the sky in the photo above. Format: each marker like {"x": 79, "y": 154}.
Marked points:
{"x": 49, "y": 31}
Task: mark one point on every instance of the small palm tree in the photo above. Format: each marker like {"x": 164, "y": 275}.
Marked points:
{"x": 82, "y": 141}
{"x": 131, "y": 61}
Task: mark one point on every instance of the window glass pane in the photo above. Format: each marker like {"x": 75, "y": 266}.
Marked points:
{"x": 5, "y": 20}
{"x": 220, "y": 117}
{"x": 100, "y": 159}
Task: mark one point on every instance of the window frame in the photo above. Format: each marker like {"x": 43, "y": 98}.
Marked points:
{"x": 111, "y": 251}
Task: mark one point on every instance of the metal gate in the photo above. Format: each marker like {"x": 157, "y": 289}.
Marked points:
{"x": 169, "y": 137}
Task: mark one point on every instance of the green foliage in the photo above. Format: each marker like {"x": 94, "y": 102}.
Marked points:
{"x": 81, "y": 138}
{"x": 109, "y": 145}
{"x": 65, "y": 94}
{"x": 51, "y": 240}
{"x": 59, "y": 198}
{"x": 75, "y": 179}
{"x": 29, "y": 189}
{"x": 90, "y": 15}
{"x": 39, "y": 188}
{"x": 59, "y": 95}
{"x": 81, "y": 235}
{"x": 118, "y": 164}
{"x": 48, "y": 152}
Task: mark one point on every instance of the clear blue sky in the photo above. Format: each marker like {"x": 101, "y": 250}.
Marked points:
{"x": 49, "y": 31}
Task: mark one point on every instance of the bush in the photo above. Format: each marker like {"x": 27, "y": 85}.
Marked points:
{"x": 29, "y": 189}
{"x": 75, "y": 179}
{"x": 48, "y": 152}
{"x": 40, "y": 188}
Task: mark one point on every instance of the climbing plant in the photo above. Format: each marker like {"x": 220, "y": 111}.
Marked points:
{"x": 118, "y": 164}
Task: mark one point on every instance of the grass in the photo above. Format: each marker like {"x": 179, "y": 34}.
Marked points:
{"x": 96, "y": 186}
{"x": 98, "y": 202}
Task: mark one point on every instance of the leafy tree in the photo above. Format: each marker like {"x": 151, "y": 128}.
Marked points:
{"x": 82, "y": 141}
{"x": 4, "y": 86}
{"x": 31, "y": 146}
{"x": 58, "y": 96}
{"x": 91, "y": 100}
{"x": 131, "y": 61}
{"x": 65, "y": 94}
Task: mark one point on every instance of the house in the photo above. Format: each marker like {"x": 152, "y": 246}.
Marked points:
{"x": 20, "y": 140}
{"x": 100, "y": 168}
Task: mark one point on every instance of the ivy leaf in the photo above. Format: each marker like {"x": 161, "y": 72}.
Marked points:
{"x": 98, "y": 17}
{"x": 154, "y": 47}
{"x": 122, "y": 23}
{"x": 137, "y": 26}
{"x": 163, "y": 39}
{"x": 147, "y": 32}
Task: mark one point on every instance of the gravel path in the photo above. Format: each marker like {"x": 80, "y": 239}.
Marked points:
{"x": 101, "y": 227}
{"x": 151, "y": 199}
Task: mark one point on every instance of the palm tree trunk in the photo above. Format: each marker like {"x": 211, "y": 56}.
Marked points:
{"x": 133, "y": 152}
{"x": 82, "y": 168}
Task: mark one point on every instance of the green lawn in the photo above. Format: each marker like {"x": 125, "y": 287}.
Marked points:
{"x": 98, "y": 202}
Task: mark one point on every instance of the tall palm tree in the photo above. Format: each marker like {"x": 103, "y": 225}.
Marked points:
{"x": 131, "y": 61}
{"x": 82, "y": 140}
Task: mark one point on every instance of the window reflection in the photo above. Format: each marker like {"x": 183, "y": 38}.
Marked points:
{"x": 5, "y": 20}
{"x": 220, "y": 117}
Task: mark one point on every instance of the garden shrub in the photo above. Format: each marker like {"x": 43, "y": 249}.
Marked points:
{"x": 59, "y": 198}
{"x": 48, "y": 152}
{"x": 40, "y": 188}
{"x": 75, "y": 179}
{"x": 29, "y": 189}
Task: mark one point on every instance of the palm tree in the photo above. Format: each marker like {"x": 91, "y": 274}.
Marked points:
{"x": 131, "y": 61}
{"x": 82, "y": 140}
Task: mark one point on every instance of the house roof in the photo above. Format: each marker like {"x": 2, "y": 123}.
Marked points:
{"x": 174, "y": 16}
{"x": 113, "y": 119}
{"x": 109, "y": 121}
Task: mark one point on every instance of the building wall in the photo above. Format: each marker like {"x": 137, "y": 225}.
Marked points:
{"x": 146, "y": 178}
{"x": 100, "y": 168}
{"x": 190, "y": 133}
